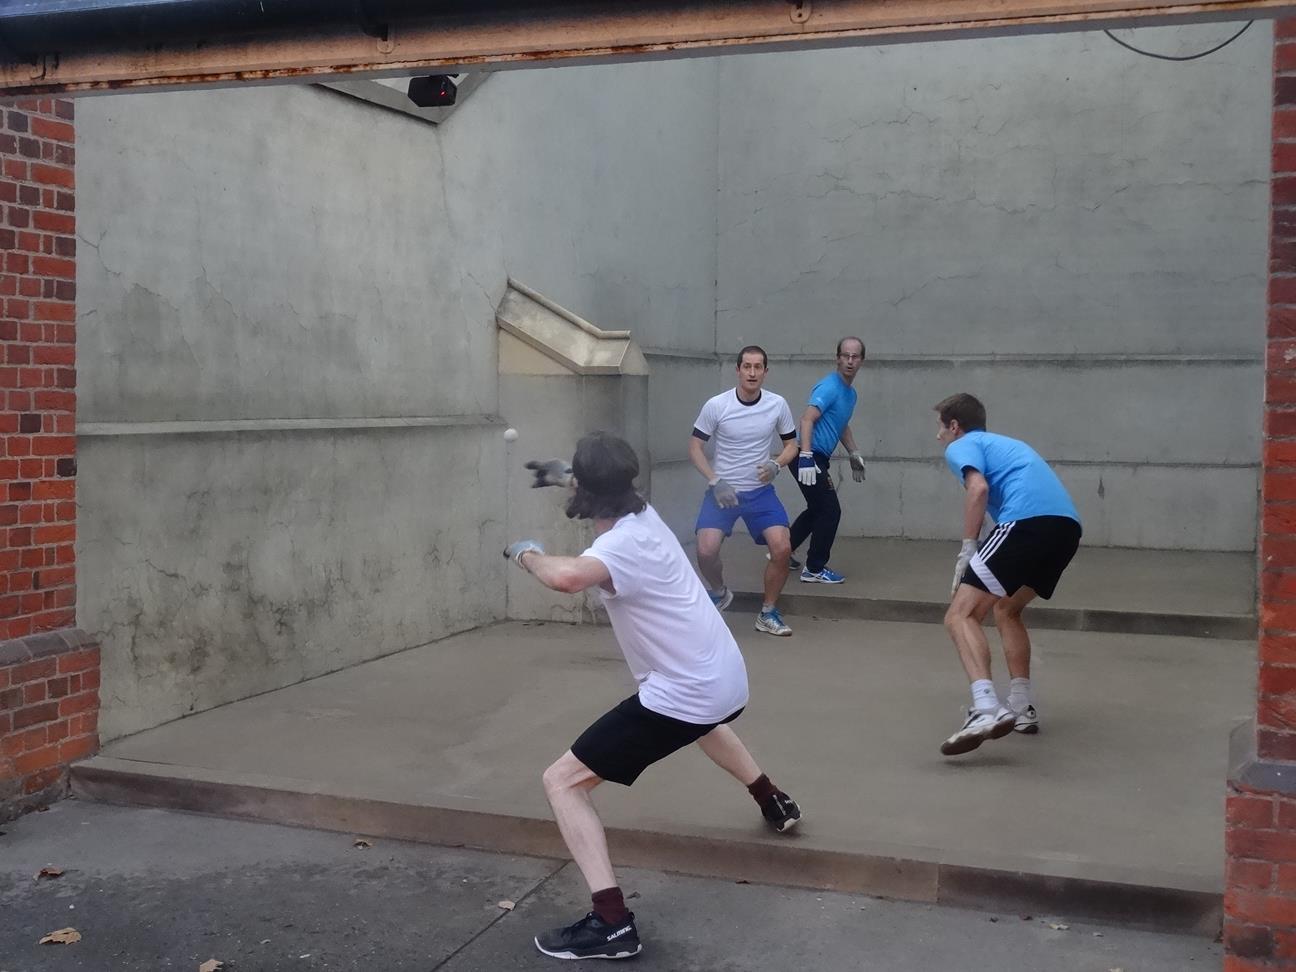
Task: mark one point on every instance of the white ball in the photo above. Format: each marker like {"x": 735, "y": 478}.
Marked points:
{"x": 510, "y": 435}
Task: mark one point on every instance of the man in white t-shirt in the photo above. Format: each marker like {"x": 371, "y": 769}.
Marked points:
{"x": 742, "y": 423}
{"x": 691, "y": 675}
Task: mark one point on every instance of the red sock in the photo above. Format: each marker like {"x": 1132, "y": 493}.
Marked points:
{"x": 610, "y": 906}
{"x": 762, "y": 789}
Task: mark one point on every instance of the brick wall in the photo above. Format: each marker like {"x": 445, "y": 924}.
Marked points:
{"x": 49, "y": 671}
{"x": 1260, "y": 827}
{"x": 37, "y": 367}
{"x": 49, "y": 715}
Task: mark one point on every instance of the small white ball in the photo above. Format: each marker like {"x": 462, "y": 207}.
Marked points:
{"x": 510, "y": 435}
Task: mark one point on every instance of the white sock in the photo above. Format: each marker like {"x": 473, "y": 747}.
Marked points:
{"x": 983, "y": 695}
{"x": 1019, "y": 694}
{"x": 766, "y": 608}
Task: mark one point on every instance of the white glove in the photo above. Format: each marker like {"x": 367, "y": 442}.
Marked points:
{"x": 857, "y": 467}
{"x": 807, "y": 471}
{"x": 724, "y": 494}
{"x": 960, "y": 566}
{"x": 767, "y": 470}
{"x": 550, "y": 472}
{"x": 515, "y": 550}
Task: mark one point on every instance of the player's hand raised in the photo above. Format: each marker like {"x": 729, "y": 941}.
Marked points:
{"x": 550, "y": 472}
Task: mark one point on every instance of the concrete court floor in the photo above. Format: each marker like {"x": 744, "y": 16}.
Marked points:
{"x": 1125, "y": 782}
{"x": 149, "y": 890}
{"x": 1193, "y": 582}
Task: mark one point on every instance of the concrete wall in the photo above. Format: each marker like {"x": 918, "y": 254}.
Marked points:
{"x": 1073, "y": 232}
{"x": 289, "y": 403}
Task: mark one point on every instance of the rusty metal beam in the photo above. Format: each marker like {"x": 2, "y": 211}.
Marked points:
{"x": 486, "y": 36}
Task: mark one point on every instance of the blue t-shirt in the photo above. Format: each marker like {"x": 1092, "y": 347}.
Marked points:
{"x": 1021, "y": 483}
{"x": 836, "y": 400}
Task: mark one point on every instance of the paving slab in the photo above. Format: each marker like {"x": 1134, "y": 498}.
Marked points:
{"x": 150, "y": 889}
{"x": 1207, "y": 594}
{"x": 1123, "y": 788}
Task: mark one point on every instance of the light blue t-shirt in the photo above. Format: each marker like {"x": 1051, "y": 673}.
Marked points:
{"x": 836, "y": 400}
{"x": 1021, "y": 483}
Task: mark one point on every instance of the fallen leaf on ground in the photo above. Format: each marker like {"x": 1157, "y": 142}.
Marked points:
{"x": 211, "y": 965}
{"x": 1058, "y": 926}
{"x": 1027, "y": 917}
{"x": 506, "y": 904}
{"x": 361, "y": 842}
{"x": 49, "y": 872}
{"x": 64, "y": 936}
{"x": 635, "y": 894}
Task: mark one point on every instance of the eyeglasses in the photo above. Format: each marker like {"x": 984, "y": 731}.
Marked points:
{"x": 852, "y": 357}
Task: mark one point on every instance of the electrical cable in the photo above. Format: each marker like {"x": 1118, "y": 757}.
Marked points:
{"x": 1189, "y": 57}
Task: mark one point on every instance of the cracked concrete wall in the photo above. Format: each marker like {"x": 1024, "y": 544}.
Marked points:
{"x": 1073, "y": 232}
{"x": 289, "y": 411}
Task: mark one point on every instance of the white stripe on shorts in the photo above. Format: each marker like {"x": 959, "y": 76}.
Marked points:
{"x": 978, "y": 561}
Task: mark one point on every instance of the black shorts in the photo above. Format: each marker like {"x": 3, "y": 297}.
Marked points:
{"x": 626, "y": 741}
{"x": 1024, "y": 553}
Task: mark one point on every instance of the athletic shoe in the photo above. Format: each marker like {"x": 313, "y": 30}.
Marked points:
{"x": 592, "y": 938}
{"x": 781, "y": 812}
{"x": 1027, "y": 721}
{"x": 825, "y": 576}
{"x": 721, "y": 601}
{"x": 771, "y": 622}
{"x": 979, "y": 727}
{"x": 793, "y": 563}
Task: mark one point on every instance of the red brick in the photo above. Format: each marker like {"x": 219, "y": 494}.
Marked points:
{"x": 33, "y": 692}
{"x": 85, "y": 701}
{"x": 58, "y": 131}
{"x": 57, "y": 175}
{"x": 54, "y": 620}
{"x": 58, "y": 731}
{"x": 1284, "y": 28}
{"x": 78, "y": 661}
{"x": 86, "y": 723}
{"x": 1277, "y": 713}
{"x": 57, "y": 687}
{"x": 1249, "y": 941}
{"x": 1260, "y": 908}
{"x": 1273, "y": 744}
{"x": 56, "y": 533}
{"x": 1253, "y": 875}
{"x": 45, "y": 778}
{"x": 35, "y": 761}
{"x": 1235, "y": 963}
{"x": 32, "y": 739}
{"x": 1254, "y": 812}
{"x": 34, "y": 714}
{"x": 77, "y": 748}
{"x": 61, "y": 354}
{"x": 49, "y": 266}
{"x": 40, "y": 668}
{"x": 65, "y": 223}
{"x": 48, "y": 310}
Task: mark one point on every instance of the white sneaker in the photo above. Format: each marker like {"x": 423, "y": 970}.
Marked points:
{"x": 979, "y": 727}
{"x": 721, "y": 601}
{"x": 1027, "y": 721}
{"x": 771, "y": 622}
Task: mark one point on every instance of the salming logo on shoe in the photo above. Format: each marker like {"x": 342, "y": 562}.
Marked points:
{"x": 619, "y": 932}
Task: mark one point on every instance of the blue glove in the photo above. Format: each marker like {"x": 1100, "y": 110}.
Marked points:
{"x": 807, "y": 471}
{"x": 515, "y": 550}
{"x": 724, "y": 494}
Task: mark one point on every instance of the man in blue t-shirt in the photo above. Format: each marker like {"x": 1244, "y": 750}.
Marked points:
{"x": 1036, "y": 534}
{"x": 824, "y": 423}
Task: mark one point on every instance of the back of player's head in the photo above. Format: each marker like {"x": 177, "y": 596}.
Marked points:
{"x": 605, "y": 468}
{"x": 969, "y": 411}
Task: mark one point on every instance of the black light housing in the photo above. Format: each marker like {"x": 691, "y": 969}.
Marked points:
{"x": 433, "y": 91}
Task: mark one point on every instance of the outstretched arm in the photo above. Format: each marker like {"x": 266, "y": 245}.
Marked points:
{"x": 568, "y": 575}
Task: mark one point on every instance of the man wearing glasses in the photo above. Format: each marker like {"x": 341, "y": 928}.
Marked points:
{"x": 824, "y": 423}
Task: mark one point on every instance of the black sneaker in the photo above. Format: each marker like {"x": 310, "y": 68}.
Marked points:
{"x": 781, "y": 812}
{"x": 592, "y": 938}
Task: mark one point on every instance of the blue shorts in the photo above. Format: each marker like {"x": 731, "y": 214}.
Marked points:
{"x": 760, "y": 509}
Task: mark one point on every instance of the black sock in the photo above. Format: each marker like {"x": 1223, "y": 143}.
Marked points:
{"x": 762, "y": 790}
{"x": 609, "y": 905}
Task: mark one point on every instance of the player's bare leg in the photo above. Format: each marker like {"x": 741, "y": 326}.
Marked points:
{"x": 568, "y": 784}
{"x": 986, "y": 719}
{"x": 778, "y": 540}
{"x": 1017, "y": 654}
{"x": 709, "y": 540}
{"x": 726, "y": 750}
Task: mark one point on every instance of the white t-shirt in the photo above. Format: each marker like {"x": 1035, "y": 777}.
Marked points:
{"x": 679, "y": 649}
{"x": 743, "y": 433}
